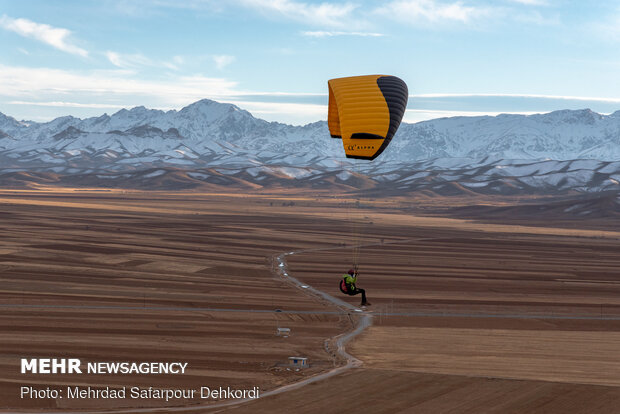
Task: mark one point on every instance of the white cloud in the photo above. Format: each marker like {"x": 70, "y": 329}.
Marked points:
{"x": 326, "y": 13}
{"x": 32, "y": 88}
{"x": 115, "y": 59}
{"x": 283, "y": 94}
{"x": 320, "y": 34}
{"x": 432, "y": 11}
{"x": 292, "y": 113}
{"x": 509, "y": 95}
{"x": 418, "y": 115}
{"x": 54, "y": 36}
{"x": 21, "y": 82}
{"x": 532, "y": 2}
{"x": 323, "y": 14}
{"x": 136, "y": 61}
{"x": 86, "y": 92}
{"x": 221, "y": 61}
{"x": 128, "y": 61}
{"x": 68, "y": 104}
{"x": 119, "y": 85}
{"x": 175, "y": 63}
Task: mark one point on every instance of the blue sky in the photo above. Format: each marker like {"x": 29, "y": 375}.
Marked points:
{"x": 274, "y": 57}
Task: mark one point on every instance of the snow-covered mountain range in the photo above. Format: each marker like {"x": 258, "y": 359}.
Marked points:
{"x": 210, "y": 143}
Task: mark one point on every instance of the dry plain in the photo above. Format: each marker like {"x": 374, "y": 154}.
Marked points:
{"x": 467, "y": 316}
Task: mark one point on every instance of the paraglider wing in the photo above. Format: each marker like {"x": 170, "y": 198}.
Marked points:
{"x": 365, "y": 111}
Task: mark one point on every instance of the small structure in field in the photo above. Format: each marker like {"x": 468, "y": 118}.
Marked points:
{"x": 283, "y": 332}
{"x": 298, "y": 362}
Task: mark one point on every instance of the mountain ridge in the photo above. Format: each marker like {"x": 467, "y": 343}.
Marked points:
{"x": 560, "y": 151}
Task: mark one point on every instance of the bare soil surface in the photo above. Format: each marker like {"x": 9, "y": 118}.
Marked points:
{"x": 153, "y": 278}
{"x": 514, "y": 316}
{"x": 393, "y": 391}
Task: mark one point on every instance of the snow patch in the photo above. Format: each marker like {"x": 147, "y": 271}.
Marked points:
{"x": 198, "y": 176}
{"x": 155, "y": 173}
{"x": 343, "y": 175}
{"x": 474, "y": 185}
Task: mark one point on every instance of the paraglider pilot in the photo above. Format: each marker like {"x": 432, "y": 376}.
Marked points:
{"x": 347, "y": 286}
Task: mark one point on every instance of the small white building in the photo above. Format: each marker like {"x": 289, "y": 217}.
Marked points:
{"x": 298, "y": 362}
{"x": 284, "y": 332}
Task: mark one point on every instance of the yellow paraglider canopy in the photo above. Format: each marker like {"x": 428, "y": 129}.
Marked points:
{"x": 365, "y": 111}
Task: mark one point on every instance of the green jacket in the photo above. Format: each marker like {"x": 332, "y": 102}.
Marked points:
{"x": 350, "y": 280}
